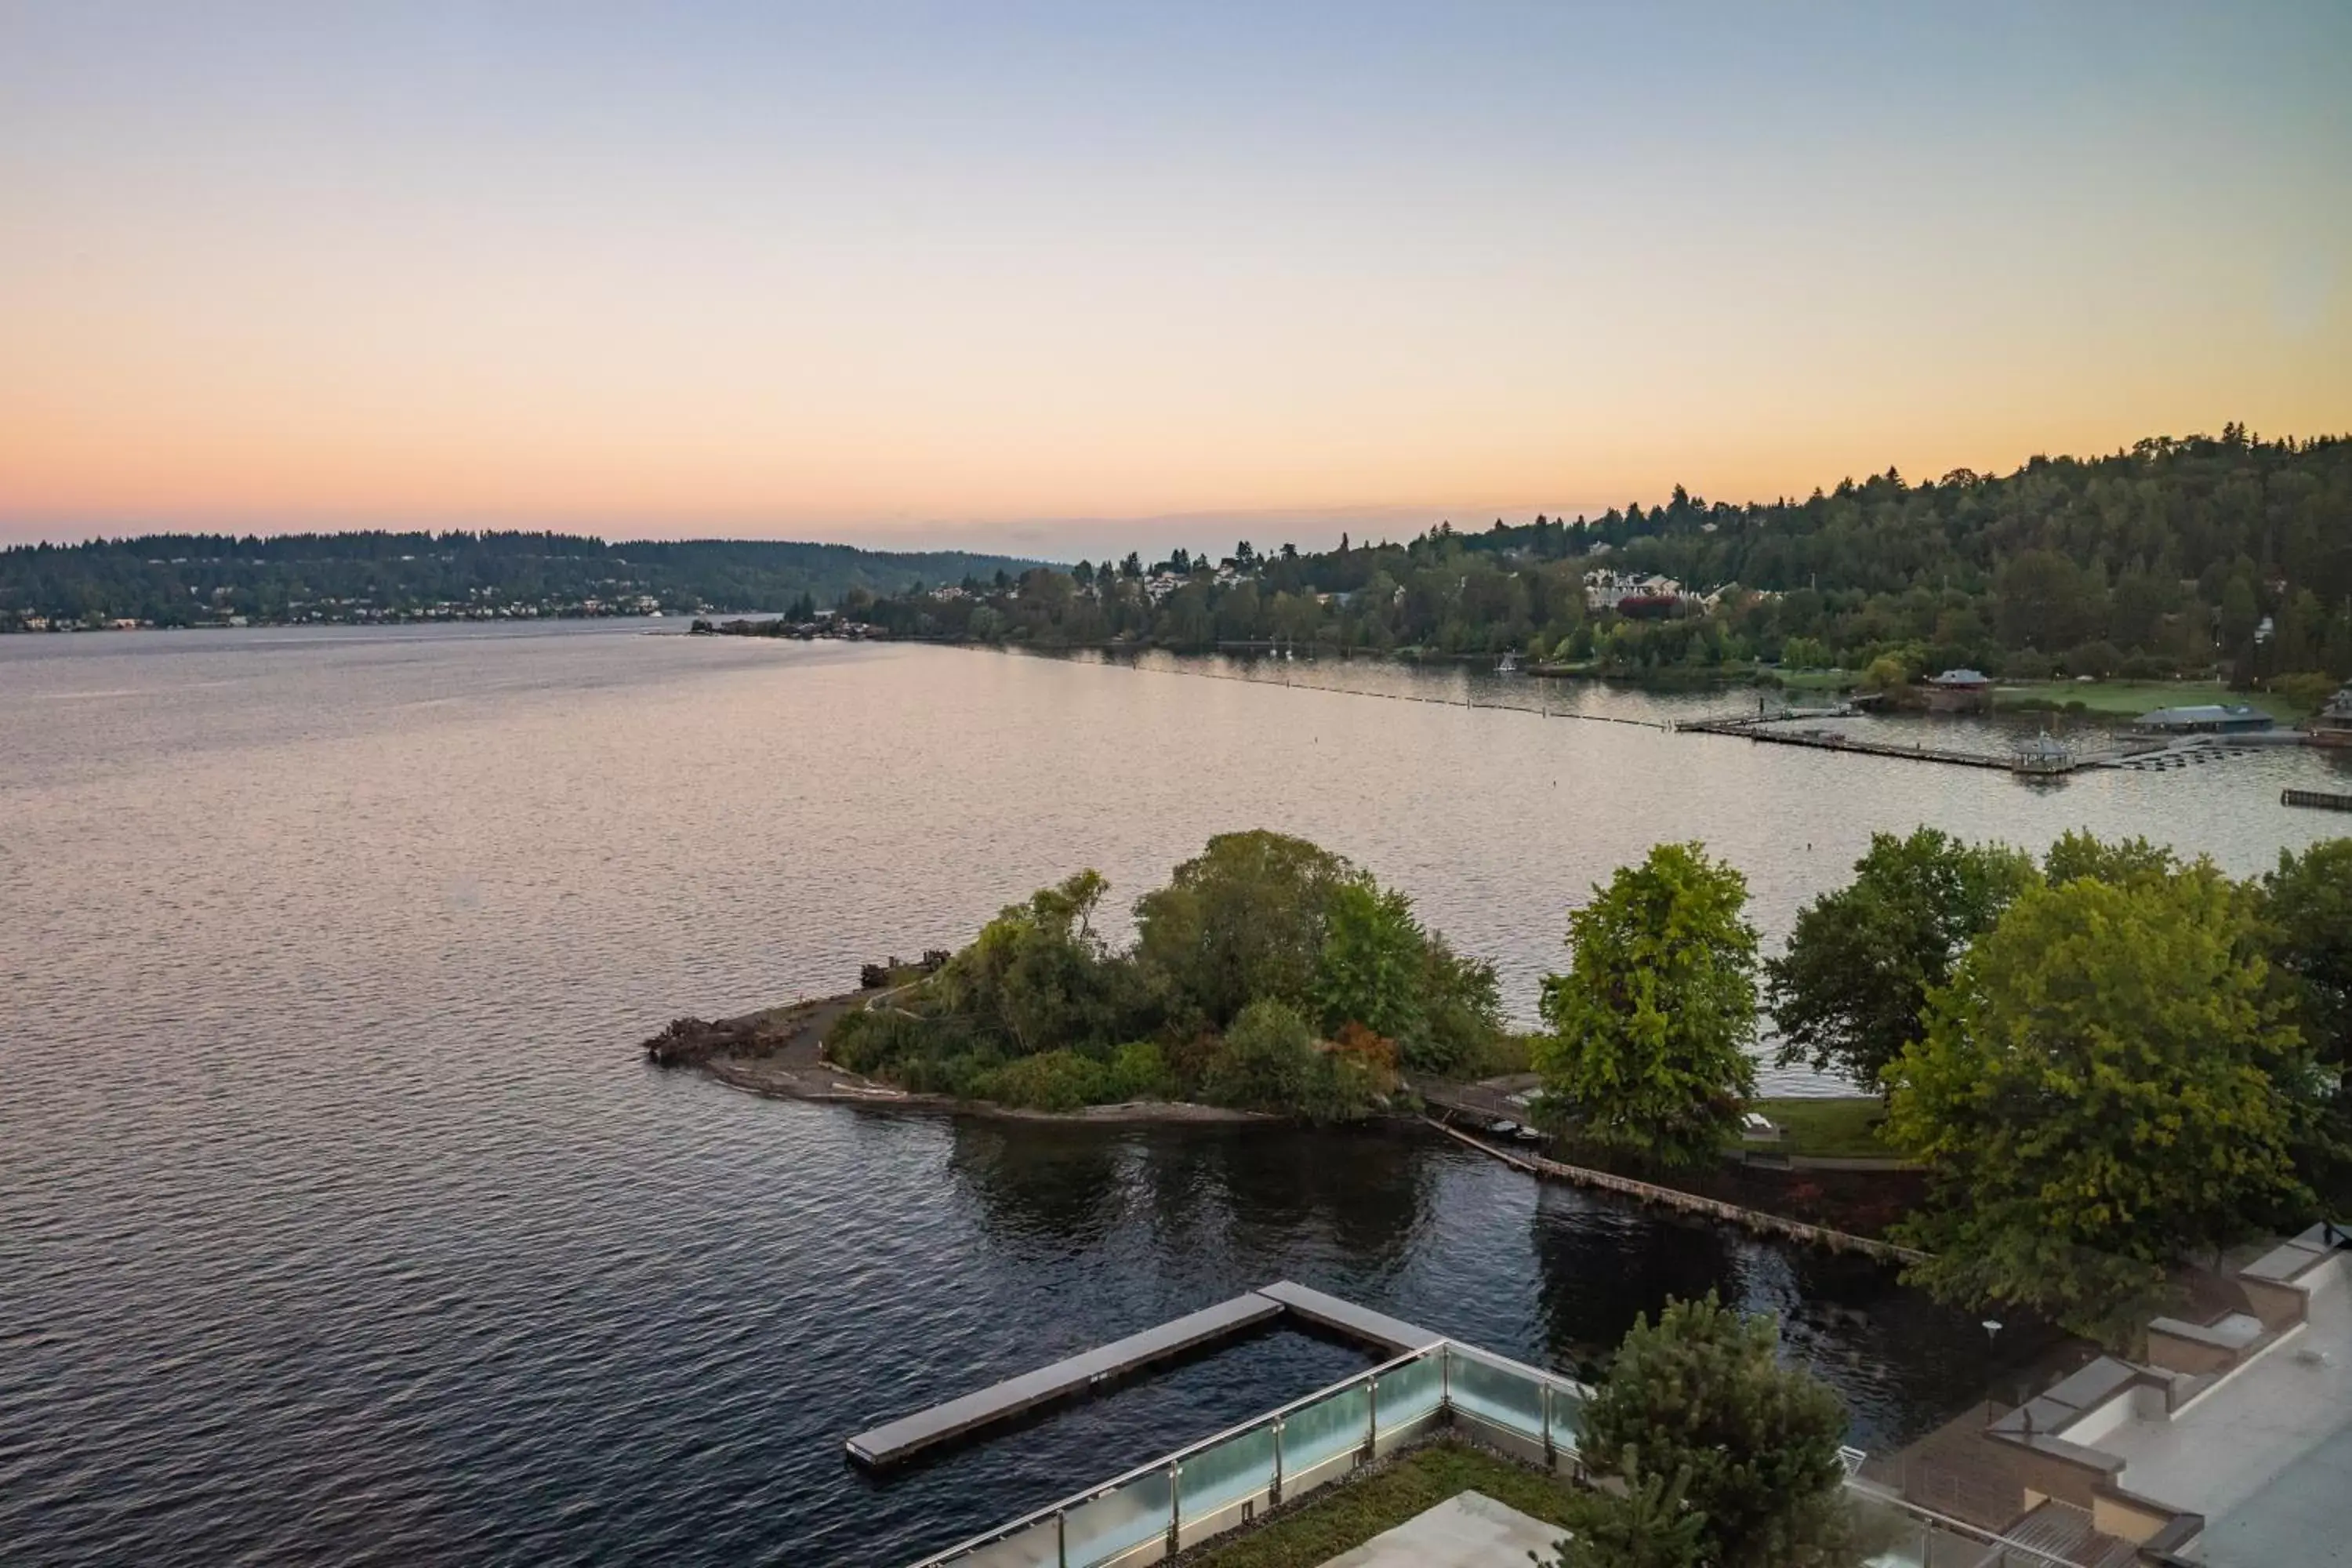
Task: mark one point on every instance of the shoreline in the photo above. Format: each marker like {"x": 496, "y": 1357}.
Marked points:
{"x": 774, "y": 1053}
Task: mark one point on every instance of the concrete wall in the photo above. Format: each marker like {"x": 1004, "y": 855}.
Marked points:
{"x": 2137, "y": 1403}
{"x": 2278, "y": 1306}
{"x": 2052, "y": 1477}
{"x": 2125, "y": 1517}
{"x": 2178, "y": 1353}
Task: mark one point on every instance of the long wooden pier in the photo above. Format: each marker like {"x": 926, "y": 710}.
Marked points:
{"x": 2046, "y": 765}
{"x": 901, "y": 1440}
{"x": 1689, "y": 1203}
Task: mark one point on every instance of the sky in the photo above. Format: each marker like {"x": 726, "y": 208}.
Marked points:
{"x": 1071, "y": 279}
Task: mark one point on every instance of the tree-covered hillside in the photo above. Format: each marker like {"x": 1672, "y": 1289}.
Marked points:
{"x": 184, "y": 579}
{"x": 2177, "y": 555}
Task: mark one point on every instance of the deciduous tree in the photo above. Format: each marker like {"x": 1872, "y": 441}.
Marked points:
{"x": 1244, "y": 919}
{"x": 1848, "y": 991}
{"x": 1650, "y": 1024}
{"x": 2105, "y": 1087}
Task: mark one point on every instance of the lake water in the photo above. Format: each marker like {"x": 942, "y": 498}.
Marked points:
{"x": 341, "y": 1220}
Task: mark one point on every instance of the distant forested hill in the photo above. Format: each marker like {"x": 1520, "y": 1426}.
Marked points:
{"x": 185, "y": 579}
{"x": 2178, "y": 556}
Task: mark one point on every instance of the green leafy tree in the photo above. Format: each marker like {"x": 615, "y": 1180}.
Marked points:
{"x": 1039, "y": 974}
{"x": 1650, "y": 1024}
{"x": 1701, "y": 1396}
{"x": 1373, "y": 962}
{"x": 2307, "y": 920}
{"x": 1244, "y": 919}
{"x": 2105, "y": 1087}
{"x": 1267, "y": 1061}
{"x": 2044, "y": 598}
{"x": 2306, "y": 909}
{"x": 2122, "y": 861}
{"x": 1848, "y": 991}
{"x": 1462, "y": 1016}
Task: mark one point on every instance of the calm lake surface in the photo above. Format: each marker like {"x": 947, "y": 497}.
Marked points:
{"x": 341, "y": 1220}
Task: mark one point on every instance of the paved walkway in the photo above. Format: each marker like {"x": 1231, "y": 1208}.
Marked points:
{"x": 1471, "y": 1530}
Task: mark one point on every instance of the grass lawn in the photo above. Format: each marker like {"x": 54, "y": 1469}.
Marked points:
{"x": 2130, "y": 698}
{"x": 1348, "y": 1514}
{"x": 1824, "y": 1127}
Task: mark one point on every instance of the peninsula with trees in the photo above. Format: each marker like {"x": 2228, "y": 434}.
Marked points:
{"x": 2110, "y": 1064}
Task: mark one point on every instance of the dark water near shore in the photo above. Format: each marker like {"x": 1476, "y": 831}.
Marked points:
{"x": 339, "y": 1221}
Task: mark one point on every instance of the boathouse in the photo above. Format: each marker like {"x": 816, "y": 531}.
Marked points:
{"x": 1959, "y": 691}
{"x": 2206, "y": 719}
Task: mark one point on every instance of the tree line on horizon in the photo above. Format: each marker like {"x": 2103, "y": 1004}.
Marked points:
{"x": 189, "y": 579}
{"x": 2178, "y": 556}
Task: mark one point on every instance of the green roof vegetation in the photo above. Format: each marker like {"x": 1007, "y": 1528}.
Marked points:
{"x": 1344, "y": 1516}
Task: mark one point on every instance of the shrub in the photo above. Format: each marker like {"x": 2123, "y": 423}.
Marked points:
{"x": 1139, "y": 1071}
{"x": 2310, "y": 689}
{"x": 1050, "y": 1080}
{"x": 1267, "y": 1061}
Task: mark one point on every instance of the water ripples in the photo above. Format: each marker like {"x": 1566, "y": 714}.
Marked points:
{"x": 340, "y": 1221}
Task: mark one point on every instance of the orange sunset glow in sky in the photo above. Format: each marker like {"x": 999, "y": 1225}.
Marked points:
{"x": 1024, "y": 276}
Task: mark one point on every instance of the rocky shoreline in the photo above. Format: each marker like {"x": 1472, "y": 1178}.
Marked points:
{"x": 778, "y": 1052}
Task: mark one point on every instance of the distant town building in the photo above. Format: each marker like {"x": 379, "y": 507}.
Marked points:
{"x": 1632, "y": 594}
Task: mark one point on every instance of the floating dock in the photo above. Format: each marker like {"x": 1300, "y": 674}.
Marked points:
{"x": 896, "y": 1441}
{"x": 1392, "y": 1335}
{"x": 2318, "y": 797}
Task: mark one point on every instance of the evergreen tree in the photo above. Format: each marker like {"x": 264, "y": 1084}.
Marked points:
{"x": 1700, "y": 1396}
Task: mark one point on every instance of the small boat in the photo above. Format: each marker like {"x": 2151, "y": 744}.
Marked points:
{"x": 1508, "y": 665}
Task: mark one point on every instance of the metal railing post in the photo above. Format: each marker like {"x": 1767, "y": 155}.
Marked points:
{"x": 1175, "y": 1507}
{"x": 1445, "y": 1379}
{"x": 1273, "y": 1498}
{"x": 1543, "y": 1414}
{"x": 1372, "y": 1418}
{"x": 1060, "y": 1540}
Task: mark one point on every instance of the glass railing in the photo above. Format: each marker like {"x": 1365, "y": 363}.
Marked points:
{"x": 1220, "y": 1481}
{"x": 1898, "y": 1535}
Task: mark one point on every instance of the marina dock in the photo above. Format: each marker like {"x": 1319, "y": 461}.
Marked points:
{"x": 2050, "y": 759}
{"x": 897, "y": 1441}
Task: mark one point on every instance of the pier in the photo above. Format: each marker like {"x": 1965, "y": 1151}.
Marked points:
{"x": 896, "y": 1441}
{"x": 2049, "y": 760}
